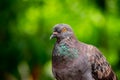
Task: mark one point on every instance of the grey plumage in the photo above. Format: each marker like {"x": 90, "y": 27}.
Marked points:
{"x": 74, "y": 60}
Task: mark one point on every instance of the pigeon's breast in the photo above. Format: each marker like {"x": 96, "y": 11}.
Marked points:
{"x": 64, "y": 55}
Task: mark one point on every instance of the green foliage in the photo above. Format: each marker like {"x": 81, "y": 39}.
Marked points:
{"x": 26, "y": 25}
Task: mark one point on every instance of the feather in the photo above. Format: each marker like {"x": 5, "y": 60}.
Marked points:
{"x": 101, "y": 70}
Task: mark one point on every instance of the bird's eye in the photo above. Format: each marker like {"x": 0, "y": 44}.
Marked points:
{"x": 64, "y": 30}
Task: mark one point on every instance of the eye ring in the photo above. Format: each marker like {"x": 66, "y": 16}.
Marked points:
{"x": 64, "y": 30}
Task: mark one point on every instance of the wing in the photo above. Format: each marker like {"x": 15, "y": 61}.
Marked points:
{"x": 101, "y": 70}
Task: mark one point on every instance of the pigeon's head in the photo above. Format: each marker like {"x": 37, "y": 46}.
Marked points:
{"x": 61, "y": 31}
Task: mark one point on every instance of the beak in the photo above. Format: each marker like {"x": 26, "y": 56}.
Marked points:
{"x": 54, "y": 35}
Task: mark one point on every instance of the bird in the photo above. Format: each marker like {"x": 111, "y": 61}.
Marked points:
{"x": 76, "y": 60}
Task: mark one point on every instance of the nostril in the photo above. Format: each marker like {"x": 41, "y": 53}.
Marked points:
{"x": 55, "y": 33}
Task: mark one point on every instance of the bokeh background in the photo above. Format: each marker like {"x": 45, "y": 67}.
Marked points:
{"x": 26, "y": 25}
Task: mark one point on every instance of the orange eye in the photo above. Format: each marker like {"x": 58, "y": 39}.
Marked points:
{"x": 64, "y": 30}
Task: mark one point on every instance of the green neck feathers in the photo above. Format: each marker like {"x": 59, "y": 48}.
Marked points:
{"x": 64, "y": 50}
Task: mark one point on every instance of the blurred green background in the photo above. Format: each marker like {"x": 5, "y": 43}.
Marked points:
{"x": 26, "y": 25}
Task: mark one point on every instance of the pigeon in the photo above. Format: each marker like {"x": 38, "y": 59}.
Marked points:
{"x": 75, "y": 60}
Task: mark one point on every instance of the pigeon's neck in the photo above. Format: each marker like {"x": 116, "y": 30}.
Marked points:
{"x": 65, "y": 46}
{"x": 64, "y": 53}
{"x": 66, "y": 50}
